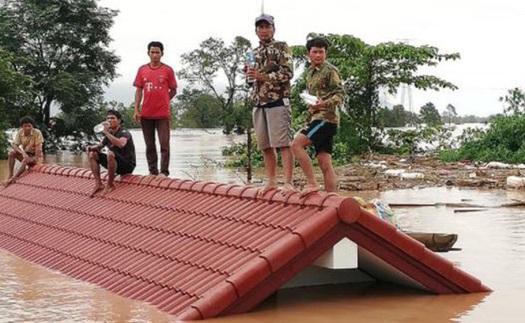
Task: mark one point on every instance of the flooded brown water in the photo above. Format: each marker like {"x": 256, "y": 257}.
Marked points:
{"x": 492, "y": 245}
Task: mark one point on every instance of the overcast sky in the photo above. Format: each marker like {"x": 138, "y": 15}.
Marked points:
{"x": 487, "y": 33}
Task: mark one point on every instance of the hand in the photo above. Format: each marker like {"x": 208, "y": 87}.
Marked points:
{"x": 136, "y": 117}
{"x": 314, "y": 108}
{"x": 106, "y": 127}
{"x": 92, "y": 148}
{"x": 253, "y": 73}
{"x": 26, "y": 159}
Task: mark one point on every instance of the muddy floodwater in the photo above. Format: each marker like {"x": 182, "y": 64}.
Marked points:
{"x": 492, "y": 243}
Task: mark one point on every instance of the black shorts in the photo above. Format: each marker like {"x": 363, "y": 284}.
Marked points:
{"x": 123, "y": 165}
{"x": 321, "y": 133}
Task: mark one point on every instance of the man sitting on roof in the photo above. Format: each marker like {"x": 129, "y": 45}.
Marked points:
{"x": 120, "y": 158}
{"x": 29, "y": 154}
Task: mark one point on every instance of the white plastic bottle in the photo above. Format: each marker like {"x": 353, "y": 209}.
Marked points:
{"x": 250, "y": 63}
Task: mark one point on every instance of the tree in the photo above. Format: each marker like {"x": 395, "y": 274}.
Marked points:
{"x": 211, "y": 60}
{"x": 13, "y": 86}
{"x": 365, "y": 69}
{"x": 450, "y": 113}
{"x": 395, "y": 117}
{"x": 514, "y": 101}
{"x": 429, "y": 114}
{"x": 197, "y": 109}
{"x": 62, "y": 45}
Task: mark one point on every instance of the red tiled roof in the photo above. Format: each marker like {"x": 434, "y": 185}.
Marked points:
{"x": 197, "y": 249}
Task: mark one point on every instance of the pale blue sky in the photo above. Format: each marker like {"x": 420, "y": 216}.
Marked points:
{"x": 487, "y": 34}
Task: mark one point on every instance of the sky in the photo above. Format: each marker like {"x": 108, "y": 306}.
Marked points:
{"x": 488, "y": 34}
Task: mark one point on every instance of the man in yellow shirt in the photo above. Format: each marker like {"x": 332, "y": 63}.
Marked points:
{"x": 27, "y": 148}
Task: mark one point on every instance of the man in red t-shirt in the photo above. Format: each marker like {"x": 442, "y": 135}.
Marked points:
{"x": 156, "y": 84}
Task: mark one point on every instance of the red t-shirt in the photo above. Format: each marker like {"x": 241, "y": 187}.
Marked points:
{"x": 155, "y": 83}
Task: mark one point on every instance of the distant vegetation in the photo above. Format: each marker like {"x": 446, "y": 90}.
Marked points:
{"x": 504, "y": 140}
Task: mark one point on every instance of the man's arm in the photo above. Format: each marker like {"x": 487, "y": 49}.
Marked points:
{"x": 172, "y": 81}
{"x": 96, "y": 147}
{"x": 283, "y": 72}
{"x": 39, "y": 156}
{"x": 276, "y": 72}
{"x": 333, "y": 99}
{"x": 138, "y": 100}
{"x": 20, "y": 151}
{"x": 119, "y": 142}
{"x": 172, "y": 93}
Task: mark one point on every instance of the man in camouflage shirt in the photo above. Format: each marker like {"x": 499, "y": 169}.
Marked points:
{"x": 323, "y": 81}
{"x": 272, "y": 118}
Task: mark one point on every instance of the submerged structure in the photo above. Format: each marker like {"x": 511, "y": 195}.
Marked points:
{"x": 199, "y": 249}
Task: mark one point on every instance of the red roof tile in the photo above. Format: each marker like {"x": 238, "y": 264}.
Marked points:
{"x": 197, "y": 249}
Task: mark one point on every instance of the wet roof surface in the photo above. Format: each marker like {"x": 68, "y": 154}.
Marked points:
{"x": 196, "y": 249}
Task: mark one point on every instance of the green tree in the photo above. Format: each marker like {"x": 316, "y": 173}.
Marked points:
{"x": 62, "y": 44}
{"x": 13, "y": 88}
{"x": 395, "y": 117}
{"x": 505, "y": 138}
{"x": 365, "y": 69}
{"x": 450, "y": 113}
{"x": 514, "y": 101}
{"x": 430, "y": 115}
{"x": 197, "y": 109}
{"x": 213, "y": 60}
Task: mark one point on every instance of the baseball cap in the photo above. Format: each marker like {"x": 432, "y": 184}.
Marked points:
{"x": 264, "y": 17}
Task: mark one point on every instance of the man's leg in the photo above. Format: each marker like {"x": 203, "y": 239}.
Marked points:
{"x": 270, "y": 165}
{"x": 263, "y": 142}
{"x": 287, "y": 159}
{"x": 95, "y": 169}
{"x": 12, "y": 157}
{"x": 330, "y": 179}
{"x": 21, "y": 169}
{"x": 278, "y": 125}
{"x": 163, "y": 131}
{"x": 112, "y": 169}
{"x": 148, "y": 130}
{"x": 301, "y": 155}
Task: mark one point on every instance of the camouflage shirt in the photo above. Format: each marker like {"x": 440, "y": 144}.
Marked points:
{"x": 273, "y": 59}
{"x": 324, "y": 81}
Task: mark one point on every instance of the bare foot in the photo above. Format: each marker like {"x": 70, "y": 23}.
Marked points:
{"x": 287, "y": 188}
{"x": 161, "y": 176}
{"x": 309, "y": 190}
{"x": 266, "y": 189}
{"x": 96, "y": 189}
{"x": 109, "y": 189}
{"x": 7, "y": 182}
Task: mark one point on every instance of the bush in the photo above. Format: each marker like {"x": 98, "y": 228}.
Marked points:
{"x": 4, "y": 144}
{"x": 504, "y": 141}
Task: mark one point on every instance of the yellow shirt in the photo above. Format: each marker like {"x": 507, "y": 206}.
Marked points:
{"x": 29, "y": 142}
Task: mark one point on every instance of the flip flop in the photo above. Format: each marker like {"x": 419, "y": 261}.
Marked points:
{"x": 7, "y": 182}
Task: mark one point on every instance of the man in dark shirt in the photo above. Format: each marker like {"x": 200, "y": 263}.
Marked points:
{"x": 120, "y": 158}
